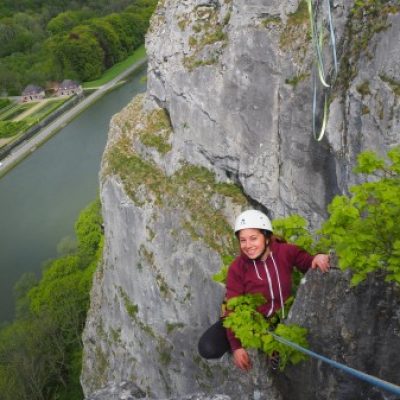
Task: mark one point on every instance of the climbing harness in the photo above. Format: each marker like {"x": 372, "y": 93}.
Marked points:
{"x": 390, "y": 387}
{"x": 317, "y": 35}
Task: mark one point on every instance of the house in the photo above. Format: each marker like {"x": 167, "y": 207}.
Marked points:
{"x": 68, "y": 87}
{"x": 31, "y": 93}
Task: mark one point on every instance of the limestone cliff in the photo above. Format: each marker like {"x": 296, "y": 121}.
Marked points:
{"x": 225, "y": 124}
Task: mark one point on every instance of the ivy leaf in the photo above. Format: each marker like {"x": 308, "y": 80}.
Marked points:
{"x": 254, "y": 331}
{"x": 368, "y": 162}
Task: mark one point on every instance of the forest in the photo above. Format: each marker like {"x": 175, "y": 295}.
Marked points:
{"x": 47, "y": 41}
{"x": 41, "y": 350}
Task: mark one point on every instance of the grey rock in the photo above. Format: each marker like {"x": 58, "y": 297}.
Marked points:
{"x": 369, "y": 121}
{"x": 120, "y": 391}
{"x": 355, "y": 326}
{"x": 129, "y": 391}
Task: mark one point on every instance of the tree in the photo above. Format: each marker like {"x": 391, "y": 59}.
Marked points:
{"x": 19, "y": 33}
{"x": 41, "y": 352}
{"x": 108, "y": 40}
{"x": 42, "y": 41}
{"x": 89, "y": 230}
{"x": 31, "y": 360}
{"x": 117, "y": 23}
{"x": 78, "y": 54}
{"x": 67, "y": 20}
{"x": 363, "y": 227}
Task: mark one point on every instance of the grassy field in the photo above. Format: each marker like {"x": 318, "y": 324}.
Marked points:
{"x": 115, "y": 70}
{"x": 4, "y": 103}
{"x": 10, "y": 129}
{"x": 8, "y": 113}
{"x": 44, "y": 111}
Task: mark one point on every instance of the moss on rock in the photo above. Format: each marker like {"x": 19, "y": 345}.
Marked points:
{"x": 191, "y": 187}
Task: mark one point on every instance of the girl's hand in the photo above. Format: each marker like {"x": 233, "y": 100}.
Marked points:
{"x": 321, "y": 261}
{"x": 242, "y": 359}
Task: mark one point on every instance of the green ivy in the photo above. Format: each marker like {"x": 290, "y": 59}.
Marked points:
{"x": 254, "y": 331}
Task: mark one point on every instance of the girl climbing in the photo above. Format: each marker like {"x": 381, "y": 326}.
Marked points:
{"x": 265, "y": 266}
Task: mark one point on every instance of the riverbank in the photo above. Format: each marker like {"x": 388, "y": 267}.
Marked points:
{"x": 28, "y": 146}
{"x": 42, "y": 196}
{"x": 14, "y": 143}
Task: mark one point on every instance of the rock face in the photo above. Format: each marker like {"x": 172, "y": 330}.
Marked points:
{"x": 226, "y": 124}
{"x": 153, "y": 296}
{"x": 129, "y": 391}
{"x": 358, "y": 327}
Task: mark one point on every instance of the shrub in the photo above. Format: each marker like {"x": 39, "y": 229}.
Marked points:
{"x": 363, "y": 227}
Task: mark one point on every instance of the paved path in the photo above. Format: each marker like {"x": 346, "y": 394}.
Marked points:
{"x": 30, "y": 145}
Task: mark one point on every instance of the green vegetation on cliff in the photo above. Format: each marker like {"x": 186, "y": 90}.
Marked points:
{"x": 254, "y": 330}
{"x": 363, "y": 227}
{"x": 41, "y": 351}
{"x": 367, "y": 17}
{"x": 192, "y": 188}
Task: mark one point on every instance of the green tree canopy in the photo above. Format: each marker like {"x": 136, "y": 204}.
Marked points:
{"x": 77, "y": 54}
{"x": 41, "y": 351}
{"x": 19, "y": 33}
{"x": 67, "y": 20}
{"x": 108, "y": 40}
{"x": 44, "y": 41}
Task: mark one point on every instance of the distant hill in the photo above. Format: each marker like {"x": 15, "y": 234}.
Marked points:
{"x": 44, "y": 41}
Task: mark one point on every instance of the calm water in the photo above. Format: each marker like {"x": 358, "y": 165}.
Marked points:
{"x": 40, "y": 199}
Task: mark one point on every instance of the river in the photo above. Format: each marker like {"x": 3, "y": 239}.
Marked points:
{"x": 41, "y": 198}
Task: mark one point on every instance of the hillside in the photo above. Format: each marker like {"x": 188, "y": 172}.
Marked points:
{"x": 43, "y": 42}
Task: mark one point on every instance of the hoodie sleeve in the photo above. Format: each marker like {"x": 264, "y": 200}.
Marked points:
{"x": 300, "y": 258}
{"x": 234, "y": 287}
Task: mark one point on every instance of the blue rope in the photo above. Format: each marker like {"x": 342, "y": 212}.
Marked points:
{"x": 390, "y": 387}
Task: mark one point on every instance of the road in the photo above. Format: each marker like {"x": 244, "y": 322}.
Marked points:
{"x": 30, "y": 145}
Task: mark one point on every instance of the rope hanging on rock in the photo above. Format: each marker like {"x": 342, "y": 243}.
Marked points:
{"x": 317, "y": 41}
{"x": 389, "y": 387}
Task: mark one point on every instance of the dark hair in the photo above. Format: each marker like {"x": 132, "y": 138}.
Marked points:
{"x": 279, "y": 239}
{"x": 268, "y": 235}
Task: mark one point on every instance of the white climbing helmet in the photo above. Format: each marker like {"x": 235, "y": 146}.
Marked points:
{"x": 253, "y": 219}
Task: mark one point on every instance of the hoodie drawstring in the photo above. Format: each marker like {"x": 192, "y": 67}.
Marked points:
{"x": 279, "y": 286}
{"x": 270, "y": 285}
{"x": 255, "y": 267}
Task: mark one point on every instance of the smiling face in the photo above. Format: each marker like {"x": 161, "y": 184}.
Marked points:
{"x": 252, "y": 243}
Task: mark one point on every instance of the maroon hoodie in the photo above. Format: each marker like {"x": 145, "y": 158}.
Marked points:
{"x": 271, "y": 278}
